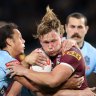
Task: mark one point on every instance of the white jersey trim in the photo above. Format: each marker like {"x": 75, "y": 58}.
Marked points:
{"x": 68, "y": 65}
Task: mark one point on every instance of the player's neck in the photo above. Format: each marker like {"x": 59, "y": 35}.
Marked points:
{"x": 10, "y": 51}
{"x": 80, "y": 44}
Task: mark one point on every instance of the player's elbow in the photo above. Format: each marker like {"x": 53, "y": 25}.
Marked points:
{"x": 53, "y": 83}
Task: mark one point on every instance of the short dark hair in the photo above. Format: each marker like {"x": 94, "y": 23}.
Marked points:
{"x": 76, "y": 15}
{"x": 6, "y": 31}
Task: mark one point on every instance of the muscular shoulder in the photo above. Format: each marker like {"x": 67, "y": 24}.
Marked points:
{"x": 73, "y": 53}
{"x": 72, "y": 57}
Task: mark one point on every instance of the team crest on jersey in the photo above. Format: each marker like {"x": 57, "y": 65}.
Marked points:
{"x": 74, "y": 54}
{"x": 58, "y": 59}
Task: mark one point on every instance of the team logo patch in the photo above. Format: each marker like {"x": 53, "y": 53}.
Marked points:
{"x": 74, "y": 54}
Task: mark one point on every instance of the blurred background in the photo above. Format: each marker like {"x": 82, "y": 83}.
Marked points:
{"x": 28, "y": 13}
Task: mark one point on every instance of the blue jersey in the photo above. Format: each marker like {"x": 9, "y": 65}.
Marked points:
{"x": 89, "y": 53}
{"x": 4, "y": 59}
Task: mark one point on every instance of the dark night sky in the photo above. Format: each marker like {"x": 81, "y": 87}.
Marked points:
{"x": 28, "y": 13}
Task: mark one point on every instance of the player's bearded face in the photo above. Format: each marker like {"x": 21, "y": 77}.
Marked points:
{"x": 51, "y": 43}
{"x": 76, "y": 29}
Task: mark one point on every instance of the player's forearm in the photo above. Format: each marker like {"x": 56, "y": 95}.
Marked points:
{"x": 51, "y": 79}
{"x": 25, "y": 82}
{"x": 13, "y": 91}
{"x": 34, "y": 77}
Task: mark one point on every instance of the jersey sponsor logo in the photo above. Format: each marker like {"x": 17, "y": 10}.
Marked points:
{"x": 3, "y": 90}
{"x": 74, "y": 54}
{"x": 87, "y": 60}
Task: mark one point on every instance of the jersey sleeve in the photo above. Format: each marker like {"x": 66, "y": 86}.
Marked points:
{"x": 71, "y": 58}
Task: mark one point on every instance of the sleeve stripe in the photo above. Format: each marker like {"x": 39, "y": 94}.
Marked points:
{"x": 68, "y": 65}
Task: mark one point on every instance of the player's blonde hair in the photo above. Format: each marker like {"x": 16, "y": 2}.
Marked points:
{"x": 48, "y": 23}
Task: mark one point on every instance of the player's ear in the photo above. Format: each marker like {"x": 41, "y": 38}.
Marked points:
{"x": 87, "y": 28}
{"x": 40, "y": 40}
{"x": 9, "y": 41}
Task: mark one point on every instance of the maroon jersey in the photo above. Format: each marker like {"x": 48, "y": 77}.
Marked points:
{"x": 72, "y": 58}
